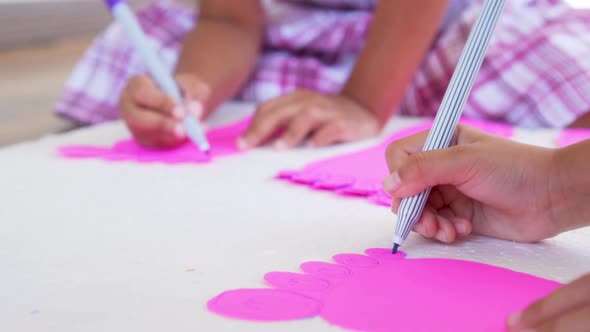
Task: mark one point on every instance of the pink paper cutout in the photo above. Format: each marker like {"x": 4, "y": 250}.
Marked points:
{"x": 572, "y": 136}
{"x": 384, "y": 292}
{"x": 361, "y": 173}
{"x": 222, "y": 140}
{"x": 381, "y": 198}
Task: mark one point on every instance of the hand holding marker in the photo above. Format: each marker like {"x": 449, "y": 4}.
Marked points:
{"x": 124, "y": 15}
{"x": 448, "y": 114}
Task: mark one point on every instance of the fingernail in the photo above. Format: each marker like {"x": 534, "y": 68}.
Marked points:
{"x": 444, "y": 237}
{"x": 178, "y": 112}
{"x": 514, "y": 319}
{"x": 461, "y": 228}
{"x": 280, "y": 145}
{"x": 310, "y": 144}
{"x": 242, "y": 144}
{"x": 195, "y": 108}
{"x": 179, "y": 131}
{"x": 392, "y": 183}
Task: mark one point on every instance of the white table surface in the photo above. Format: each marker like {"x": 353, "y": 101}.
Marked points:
{"x": 92, "y": 246}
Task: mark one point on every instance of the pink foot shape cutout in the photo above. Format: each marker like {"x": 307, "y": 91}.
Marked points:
{"x": 222, "y": 140}
{"x": 361, "y": 173}
{"x": 384, "y": 292}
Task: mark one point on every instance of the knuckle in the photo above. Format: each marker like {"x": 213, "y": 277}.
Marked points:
{"x": 165, "y": 103}
{"x": 263, "y": 108}
{"x": 135, "y": 94}
{"x": 255, "y": 130}
{"x": 390, "y": 150}
{"x": 340, "y": 128}
{"x": 534, "y": 311}
{"x": 310, "y": 114}
{"x": 135, "y": 82}
{"x": 193, "y": 85}
{"x": 295, "y": 133}
{"x": 414, "y": 167}
{"x": 187, "y": 79}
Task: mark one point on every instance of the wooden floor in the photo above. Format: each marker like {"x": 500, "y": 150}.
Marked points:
{"x": 30, "y": 82}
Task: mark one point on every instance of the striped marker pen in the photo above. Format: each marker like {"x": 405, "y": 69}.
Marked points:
{"x": 450, "y": 110}
{"x": 124, "y": 15}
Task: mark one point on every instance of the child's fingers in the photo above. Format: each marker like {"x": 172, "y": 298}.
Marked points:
{"x": 438, "y": 222}
{"x": 193, "y": 88}
{"x": 463, "y": 227}
{"x": 279, "y": 102}
{"x": 395, "y": 202}
{"x": 331, "y": 133}
{"x": 297, "y": 129}
{"x": 453, "y": 166}
{"x": 264, "y": 124}
{"x": 435, "y": 199}
{"x": 575, "y": 320}
{"x": 446, "y": 230}
{"x": 427, "y": 226}
{"x": 143, "y": 92}
{"x": 147, "y": 123}
{"x": 398, "y": 151}
{"x": 158, "y": 101}
{"x": 573, "y": 295}
{"x": 163, "y": 141}
{"x": 442, "y": 227}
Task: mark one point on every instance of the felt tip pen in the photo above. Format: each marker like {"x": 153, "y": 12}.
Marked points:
{"x": 125, "y": 17}
{"x": 447, "y": 117}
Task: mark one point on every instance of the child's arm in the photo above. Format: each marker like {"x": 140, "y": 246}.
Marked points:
{"x": 400, "y": 35}
{"x": 216, "y": 58}
{"x": 223, "y": 48}
{"x": 581, "y": 122}
{"x": 500, "y": 188}
{"x": 492, "y": 186}
{"x": 401, "y": 32}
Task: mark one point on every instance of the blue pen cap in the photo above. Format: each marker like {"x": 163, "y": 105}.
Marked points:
{"x": 112, "y": 3}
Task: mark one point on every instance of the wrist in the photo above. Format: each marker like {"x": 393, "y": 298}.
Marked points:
{"x": 569, "y": 189}
{"x": 379, "y": 115}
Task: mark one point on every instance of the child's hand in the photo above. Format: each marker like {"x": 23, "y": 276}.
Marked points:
{"x": 566, "y": 309}
{"x": 482, "y": 184}
{"x": 153, "y": 117}
{"x": 304, "y": 114}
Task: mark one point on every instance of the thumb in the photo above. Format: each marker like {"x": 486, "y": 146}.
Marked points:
{"x": 452, "y": 166}
{"x": 195, "y": 92}
{"x": 193, "y": 88}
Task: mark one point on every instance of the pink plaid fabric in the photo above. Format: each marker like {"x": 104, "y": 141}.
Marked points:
{"x": 534, "y": 75}
{"x": 536, "y": 72}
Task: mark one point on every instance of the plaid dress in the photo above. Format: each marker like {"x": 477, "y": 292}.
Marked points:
{"x": 536, "y": 72}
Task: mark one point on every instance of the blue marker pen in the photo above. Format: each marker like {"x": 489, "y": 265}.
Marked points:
{"x": 124, "y": 15}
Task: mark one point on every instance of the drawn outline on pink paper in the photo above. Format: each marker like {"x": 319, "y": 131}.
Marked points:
{"x": 222, "y": 139}
{"x": 360, "y": 173}
{"x": 384, "y": 292}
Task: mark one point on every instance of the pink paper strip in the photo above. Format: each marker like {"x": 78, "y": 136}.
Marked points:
{"x": 572, "y": 136}
{"x": 222, "y": 139}
{"x": 384, "y": 292}
{"x": 361, "y": 173}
